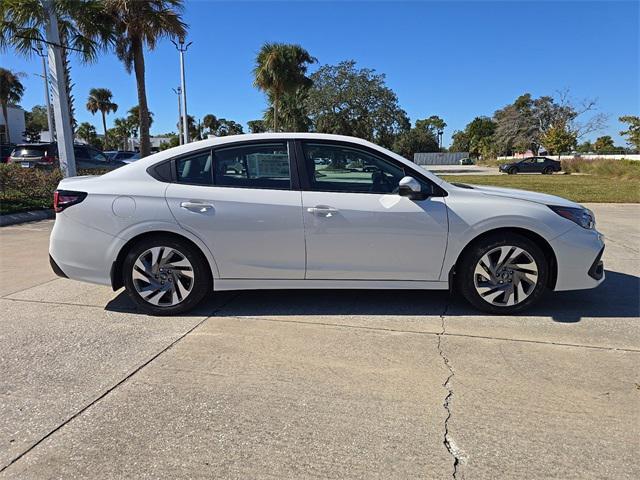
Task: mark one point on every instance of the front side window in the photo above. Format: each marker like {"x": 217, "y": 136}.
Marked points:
{"x": 253, "y": 166}
{"x": 337, "y": 168}
{"x": 195, "y": 169}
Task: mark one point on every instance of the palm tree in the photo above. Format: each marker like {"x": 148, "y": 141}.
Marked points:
{"x": 83, "y": 28}
{"x": 11, "y": 91}
{"x": 133, "y": 118}
{"x": 140, "y": 23}
{"x": 281, "y": 68}
{"x": 100, "y": 100}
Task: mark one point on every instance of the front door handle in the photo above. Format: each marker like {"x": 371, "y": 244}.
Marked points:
{"x": 199, "y": 207}
{"x": 322, "y": 210}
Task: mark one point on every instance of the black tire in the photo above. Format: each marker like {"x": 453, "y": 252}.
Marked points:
{"x": 547, "y": 171}
{"x": 513, "y": 170}
{"x": 202, "y": 282}
{"x": 465, "y": 275}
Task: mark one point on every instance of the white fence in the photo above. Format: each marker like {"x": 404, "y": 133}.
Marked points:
{"x": 617, "y": 156}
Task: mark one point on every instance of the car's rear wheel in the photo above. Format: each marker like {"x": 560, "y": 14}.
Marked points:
{"x": 513, "y": 170}
{"x": 165, "y": 276}
{"x": 547, "y": 171}
{"x": 503, "y": 273}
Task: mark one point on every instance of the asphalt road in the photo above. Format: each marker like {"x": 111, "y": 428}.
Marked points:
{"x": 328, "y": 384}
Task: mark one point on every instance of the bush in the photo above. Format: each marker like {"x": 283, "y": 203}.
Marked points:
{"x": 622, "y": 169}
{"x": 29, "y": 188}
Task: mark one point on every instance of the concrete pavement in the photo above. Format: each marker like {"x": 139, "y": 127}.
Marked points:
{"x": 328, "y": 384}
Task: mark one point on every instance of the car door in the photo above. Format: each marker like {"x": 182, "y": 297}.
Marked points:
{"x": 82, "y": 156}
{"x": 244, "y": 203}
{"x": 357, "y": 227}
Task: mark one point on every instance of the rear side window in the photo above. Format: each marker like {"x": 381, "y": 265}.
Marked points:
{"x": 195, "y": 169}
{"x": 253, "y": 166}
{"x": 29, "y": 152}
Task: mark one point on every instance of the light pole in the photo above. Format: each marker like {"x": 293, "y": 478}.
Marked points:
{"x": 64, "y": 132}
{"x": 178, "y": 91}
{"x": 40, "y": 52}
{"x": 182, "y": 48}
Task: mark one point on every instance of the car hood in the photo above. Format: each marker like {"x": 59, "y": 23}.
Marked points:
{"x": 525, "y": 195}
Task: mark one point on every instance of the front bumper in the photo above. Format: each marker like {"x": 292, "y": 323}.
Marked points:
{"x": 579, "y": 258}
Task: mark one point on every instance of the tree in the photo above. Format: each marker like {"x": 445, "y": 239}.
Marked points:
{"x": 174, "y": 141}
{"x": 140, "y": 23}
{"x": 83, "y": 27}
{"x": 281, "y": 68}
{"x": 100, "y": 100}
{"x": 346, "y": 100}
{"x": 292, "y": 112}
{"x": 419, "y": 139}
{"x": 257, "y": 126}
{"x": 604, "y": 144}
{"x": 221, "y": 127}
{"x": 435, "y": 125}
{"x": 87, "y": 132}
{"x": 35, "y": 122}
{"x": 521, "y": 125}
{"x": 119, "y": 135}
{"x": 229, "y": 127}
{"x": 558, "y": 138}
{"x": 211, "y": 123}
{"x": 585, "y": 147}
{"x": 460, "y": 141}
{"x": 477, "y": 138}
{"x": 633, "y": 132}
{"x": 11, "y": 91}
{"x": 133, "y": 118}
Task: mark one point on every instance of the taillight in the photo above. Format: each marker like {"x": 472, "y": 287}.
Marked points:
{"x": 48, "y": 159}
{"x": 65, "y": 198}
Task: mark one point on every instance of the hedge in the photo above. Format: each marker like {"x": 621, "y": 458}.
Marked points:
{"x": 23, "y": 189}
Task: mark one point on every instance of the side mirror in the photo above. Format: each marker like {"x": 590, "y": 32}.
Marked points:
{"x": 411, "y": 188}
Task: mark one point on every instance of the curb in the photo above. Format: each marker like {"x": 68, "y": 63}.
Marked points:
{"x": 24, "y": 217}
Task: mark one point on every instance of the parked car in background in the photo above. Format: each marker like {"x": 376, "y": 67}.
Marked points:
{"x": 132, "y": 158}
{"x": 5, "y": 151}
{"x": 174, "y": 226}
{"x": 542, "y": 165}
{"x": 45, "y": 155}
{"x": 120, "y": 154}
{"x": 467, "y": 161}
{"x": 34, "y": 155}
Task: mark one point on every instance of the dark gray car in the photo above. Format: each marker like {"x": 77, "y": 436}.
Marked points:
{"x": 542, "y": 165}
{"x": 45, "y": 155}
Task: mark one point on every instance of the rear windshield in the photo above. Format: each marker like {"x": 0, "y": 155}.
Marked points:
{"x": 29, "y": 152}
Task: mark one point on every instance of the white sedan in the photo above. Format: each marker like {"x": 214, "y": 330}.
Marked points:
{"x": 295, "y": 210}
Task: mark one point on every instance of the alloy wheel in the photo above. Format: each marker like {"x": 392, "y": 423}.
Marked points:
{"x": 505, "y": 276}
{"x": 163, "y": 276}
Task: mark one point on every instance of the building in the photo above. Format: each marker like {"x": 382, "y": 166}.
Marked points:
{"x": 16, "y": 125}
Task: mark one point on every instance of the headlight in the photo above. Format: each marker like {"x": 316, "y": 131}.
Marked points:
{"x": 582, "y": 216}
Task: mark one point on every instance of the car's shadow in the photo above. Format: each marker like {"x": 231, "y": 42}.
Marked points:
{"x": 618, "y": 296}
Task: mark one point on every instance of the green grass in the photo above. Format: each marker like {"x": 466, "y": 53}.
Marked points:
{"x": 579, "y": 188}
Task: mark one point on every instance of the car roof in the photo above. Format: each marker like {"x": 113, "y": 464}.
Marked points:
{"x": 138, "y": 168}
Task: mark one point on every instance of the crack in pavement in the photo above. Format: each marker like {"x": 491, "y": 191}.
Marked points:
{"x": 452, "y": 448}
{"x": 118, "y": 384}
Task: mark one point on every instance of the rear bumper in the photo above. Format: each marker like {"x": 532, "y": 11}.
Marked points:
{"x": 79, "y": 252}
{"x": 56, "y": 269}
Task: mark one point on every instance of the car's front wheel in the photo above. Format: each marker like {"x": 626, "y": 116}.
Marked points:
{"x": 165, "y": 276}
{"x": 503, "y": 273}
{"x": 513, "y": 170}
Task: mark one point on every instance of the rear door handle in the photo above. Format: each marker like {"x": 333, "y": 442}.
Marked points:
{"x": 199, "y": 207}
{"x": 322, "y": 210}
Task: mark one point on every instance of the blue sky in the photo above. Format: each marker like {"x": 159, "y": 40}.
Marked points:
{"x": 454, "y": 59}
